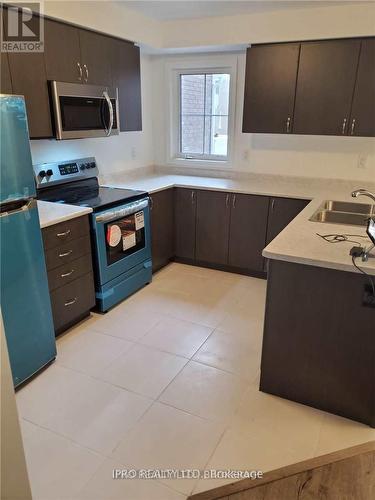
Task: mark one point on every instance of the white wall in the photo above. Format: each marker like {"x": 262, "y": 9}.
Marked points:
{"x": 123, "y": 152}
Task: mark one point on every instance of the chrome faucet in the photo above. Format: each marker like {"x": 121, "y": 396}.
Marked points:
{"x": 363, "y": 192}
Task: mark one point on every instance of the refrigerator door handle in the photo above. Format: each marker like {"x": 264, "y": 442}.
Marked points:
{"x": 26, "y": 205}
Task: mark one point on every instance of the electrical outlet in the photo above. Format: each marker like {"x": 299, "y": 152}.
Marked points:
{"x": 245, "y": 155}
{"x": 133, "y": 153}
{"x": 362, "y": 161}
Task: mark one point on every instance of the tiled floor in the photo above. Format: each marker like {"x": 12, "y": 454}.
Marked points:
{"x": 168, "y": 379}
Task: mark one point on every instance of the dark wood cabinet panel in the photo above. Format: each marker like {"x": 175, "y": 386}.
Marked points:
{"x": 281, "y": 212}
{"x": 126, "y": 76}
{"x": 318, "y": 343}
{"x": 325, "y": 83}
{"x": 270, "y": 85}
{"x": 212, "y": 237}
{"x": 95, "y": 58}
{"x": 362, "y": 120}
{"x": 185, "y": 223}
{"x": 162, "y": 228}
{"x": 248, "y": 228}
{"x": 64, "y": 232}
{"x": 29, "y": 79}
{"x": 6, "y": 83}
{"x": 62, "y": 52}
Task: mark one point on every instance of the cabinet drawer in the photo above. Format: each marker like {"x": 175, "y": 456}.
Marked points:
{"x": 68, "y": 252}
{"x": 69, "y": 272}
{"x": 72, "y": 301}
{"x": 69, "y": 230}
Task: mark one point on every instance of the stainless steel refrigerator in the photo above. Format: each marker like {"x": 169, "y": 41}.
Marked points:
{"x": 25, "y": 301}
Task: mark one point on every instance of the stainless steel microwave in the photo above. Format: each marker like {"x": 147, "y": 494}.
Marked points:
{"x": 84, "y": 110}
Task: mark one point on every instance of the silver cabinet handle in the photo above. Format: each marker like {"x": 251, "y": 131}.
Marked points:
{"x": 352, "y": 127}
{"x": 64, "y": 275}
{"x": 151, "y": 202}
{"x": 192, "y": 197}
{"x": 344, "y": 126}
{"x": 87, "y": 72}
{"x": 70, "y": 302}
{"x": 65, "y": 233}
{"x": 288, "y": 125}
{"x": 227, "y": 200}
{"x": 273, "y": 205}
{"x": 110, "y": 109}
{"x": 234, "y": 201}
{"x": 80, "y": 71}
{"x": 69, "y": 252}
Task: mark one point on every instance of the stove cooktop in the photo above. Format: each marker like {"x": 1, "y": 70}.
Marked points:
{"x": 87, "y": 193}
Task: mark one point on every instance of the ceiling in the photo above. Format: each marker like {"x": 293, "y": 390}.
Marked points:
{"x": 190, "y": 9}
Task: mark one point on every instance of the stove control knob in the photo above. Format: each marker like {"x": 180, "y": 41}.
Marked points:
{"x": 42, "y": 174}
{"x": 83, "y": 166}
{"x": 49, "y": 172}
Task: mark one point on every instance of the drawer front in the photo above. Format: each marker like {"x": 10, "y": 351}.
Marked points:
{"x": 69, "y": 272}
{"x": 67, "y": 252}
{"x": 71, "y": 301}
{"x": 64, "y": 232}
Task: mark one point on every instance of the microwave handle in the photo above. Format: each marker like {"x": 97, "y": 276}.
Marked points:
{"x": 110, "y": 109}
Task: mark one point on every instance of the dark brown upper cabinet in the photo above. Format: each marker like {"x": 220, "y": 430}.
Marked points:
{"x": 29, "y": 79}
{"x": 326, "y": 78}
{"x": 248, "y": 228}
{"x": 362, "y": 119}
{"x": 270, "y": 85}
{"x": 126, "y": 75}
{"x": 185, "y": 206}
{"x": 95, "y": 58}
{"x": 62, "y": 53}
{"x": 212, "y": 232}
{"x": 6, "y": 82}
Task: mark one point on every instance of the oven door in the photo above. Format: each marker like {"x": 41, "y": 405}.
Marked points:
{"x": 84, "y": 110}
{"x": 121, "y": 238}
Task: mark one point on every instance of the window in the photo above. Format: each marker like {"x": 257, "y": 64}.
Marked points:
{"x": 203, "y": 115}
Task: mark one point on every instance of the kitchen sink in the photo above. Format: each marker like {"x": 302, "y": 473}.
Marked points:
{"x": 342, "y": 212}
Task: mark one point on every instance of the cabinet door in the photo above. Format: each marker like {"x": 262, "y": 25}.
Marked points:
{"x": 62, "y": 52}
{"x": 270, "y": 85}
{"x": 6, "y": 83}
{"x": 281, "y": 212}
{"x": 95, "y": 58}
{"x": 213, "y": 215}
{"x": 185, "y": 206}
{"x": 29, "y": 79}
{"x": 126, "y": 75}
{"x": 162, "y": 220}
{"x": 325, "y": 85}
{"x": 248, "y": 228}
{"x": 362, "y": 120}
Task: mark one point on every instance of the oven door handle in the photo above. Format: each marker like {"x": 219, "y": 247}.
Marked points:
{"x": 110, "y": 109}
{"x": 121, "y": 212}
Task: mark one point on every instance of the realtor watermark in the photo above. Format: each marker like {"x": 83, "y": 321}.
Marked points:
{"x": 186, "y": 474}
{"x": 22, "y": 27}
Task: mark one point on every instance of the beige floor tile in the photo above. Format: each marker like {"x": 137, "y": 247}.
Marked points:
{"x": 265, "y": 450}
{"x": 177, "y": 336}
{"x": 88, "y": 351}
{"x": 144, "y": 370}
{"x": 103, "y": 487}
{"x": 57, "y": 467}
{"x": 237, "y": 352}
{"x": 205, "y": 391}
{"x": 338, "y": 433}
{"x": 249, "y": 318}
{"x": 167, "y": 438}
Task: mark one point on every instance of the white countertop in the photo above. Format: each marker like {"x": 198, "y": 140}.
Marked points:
{"x": 53, "y": 213}
{"x": 298, "y": 242}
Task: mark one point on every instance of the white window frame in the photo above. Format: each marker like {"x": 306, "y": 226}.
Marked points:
{"x": 199, "y": 65}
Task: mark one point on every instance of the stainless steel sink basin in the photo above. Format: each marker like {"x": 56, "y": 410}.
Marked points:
{"x": 342, "y": 212}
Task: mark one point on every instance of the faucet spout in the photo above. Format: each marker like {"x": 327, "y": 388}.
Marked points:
{"x": 363, "y": 192}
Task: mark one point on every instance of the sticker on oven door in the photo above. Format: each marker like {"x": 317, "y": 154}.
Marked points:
{"x": 113, "y": 235}
{"x": 128, "y": 240}
{"x": 139, "y": 220}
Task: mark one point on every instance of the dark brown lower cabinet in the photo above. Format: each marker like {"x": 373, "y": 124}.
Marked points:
{"x": 162, "y": 228}
{"x": 185, "y": 208}
{"x": 318, "y": 344}
{"x": 281, "y": 212}
{"x": 69, "y": 269}
{"x": 248, "y": 229}
{"x": 6, "y": 83}
{"x": 213, "y": 217}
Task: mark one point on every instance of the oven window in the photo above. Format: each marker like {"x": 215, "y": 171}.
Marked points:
{"x": 124, "y": 236}
{"x": 85, "y": 113}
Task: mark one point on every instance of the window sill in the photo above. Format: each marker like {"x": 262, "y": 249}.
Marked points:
{"x": 198, "y": 163}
